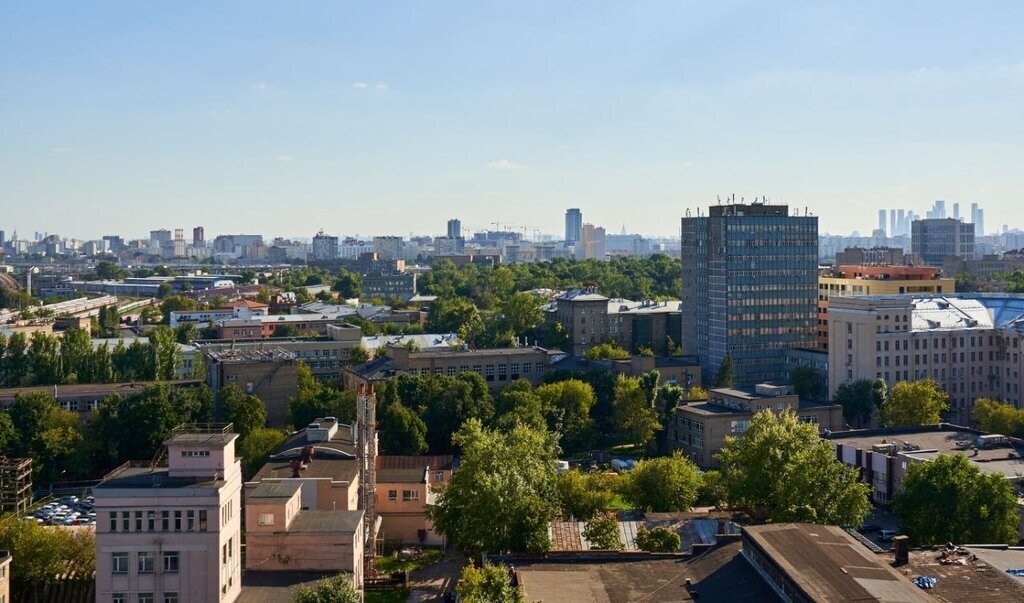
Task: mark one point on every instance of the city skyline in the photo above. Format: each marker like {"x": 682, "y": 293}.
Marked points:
{"x": 633, "y": 114}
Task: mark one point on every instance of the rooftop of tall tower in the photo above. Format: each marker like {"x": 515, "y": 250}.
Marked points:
{"x": 748, "y": 209}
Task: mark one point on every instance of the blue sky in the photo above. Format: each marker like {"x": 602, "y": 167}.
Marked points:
{"x": 372, "y": 117}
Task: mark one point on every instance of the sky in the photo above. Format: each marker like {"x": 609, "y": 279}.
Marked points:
{"x": 285, "y": 118}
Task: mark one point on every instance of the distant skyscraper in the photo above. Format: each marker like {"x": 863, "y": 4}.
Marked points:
{"x": 881, "y": 221}
{"x": 573, "y": 226}
{"x": 956, "y": 211}
{"x": 974, "y": 213}
{"x": 979, "y": 223}
{"x": 454, "y": 229}
{"x": 325, "y": 247}
{"x": 3, "y": 239}
{"x": 750, "y": 285}
{"x": 901, "y": 223}
{"x": 892, "y": 222}
{"x": 198, "y": 237}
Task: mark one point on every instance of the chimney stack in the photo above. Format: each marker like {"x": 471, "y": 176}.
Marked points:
{"x": 901, "y": 545}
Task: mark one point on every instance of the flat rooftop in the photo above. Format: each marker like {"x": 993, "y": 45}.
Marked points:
{"x": 829, "y": 565}
{"x": 326, "y": 521}
{"x": 718, "y": 575}
{"x": 929, "y": 444}
{"x": 274, "y": 491}
{"x": 964, "y": 580}
{"x": 92, "y": 389}
{"x": 250, "y": 354}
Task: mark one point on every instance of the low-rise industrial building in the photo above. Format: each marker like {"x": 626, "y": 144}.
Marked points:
{"x": 271, "y": 374}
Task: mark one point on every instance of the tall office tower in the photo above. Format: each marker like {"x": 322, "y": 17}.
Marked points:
{"x": 454, "y": 228}
{"x": 974, "y": 213}
{"x": 573, "y": 226}
{"x": 198, "y": 237}
{"x": 750, "y": 284}
{"x": 979, "y": 223}
{"x": 881, "y": 221}
{"x": 892, "y": 222}
{"x": 3, "y": 239}
{"x": 956, "y": 211}
{"x": 901, "y": 222}
{"x": 179, "y": 234}
{"x": 158, "y": 237}
{"x": 936, "y": 239}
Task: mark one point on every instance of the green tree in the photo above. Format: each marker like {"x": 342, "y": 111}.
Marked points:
{"x": 583, "y": 495}
{"x": 726, "y": 373}
{"x": 336, "y": 589}
{"x": 606, "y": 351}
{"x": 16, "y": 361}
{"x": 487, "y": 584}
{"x": 910, "y": 403}
{"x": 186, "y": 332}
{"x": 76, "y": 353}
{"x": 257, "y": 447}
{"x": 948, "y": 499}
{"x": 450, "y": 314}
{"x": 109, "y": 271}
{"x": 857, "y": 400}
{"x": 512, "y": 471}
{"x": 358, "y": 355}
{"x": 245, "y": 411}
{"x": 570, "y": 403}
{"x": 658, "y": 540}
{"x": 602, "y": 531}
{"x": 163, "y": 348}
{"x": 995, "y": 417}
{"x": 518, "y": 404}
{"x": 48, "y": 434}
{"x": 636, "y": 420}
{"x": 36, "y": 550}
{"x": 401, "y": 431}
{"x": 348, "y": 285}
{"x": 782, "y": 468}
{"x": 808, "y": 382}
{"x": 448, "y": 402}
{"x": 712, "y": 491}
{"x": 175, "y": 303}
{"x": 44, "y": 359}
{"x": 665, "y": 484}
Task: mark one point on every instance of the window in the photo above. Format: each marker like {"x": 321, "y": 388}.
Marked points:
{"x": 177, "y": 521}
{"x": 145, "y": 562}
{"x": 195, "y": 453}
{"x": 190, "y": 520}
{"x": 125, "y": 521}
{"x": 266, "y": 519}
{"x": 165, "y": 521}
{"x": 202, "y": 520}
{"x": 150, "y": 520}
{"x": 145, "y": 597}
{"x": 113, "y": 521}
{"x": 118, "y": 598}
{"x": 138, "y": 521}
{"x": 170, "y": 597}
{"x": 119, "y": 563}
{"x": 392, "y": 495}
{"x": 410, "y": 495}
{"x": 171, "y": 562}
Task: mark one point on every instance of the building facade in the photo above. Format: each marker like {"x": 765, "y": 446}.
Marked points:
{"x": 970, "y": 344}
{"x": 270, "y": 374}
{"x": 938, "y": 238}
{"x": 172, "y": 533}
{"x": 875, "y": 280}
{"x": 573, "y": 226}
{"x": 749, "y": 288}
{"x": 699, "y": 429}
{"x": 324, "y": 248}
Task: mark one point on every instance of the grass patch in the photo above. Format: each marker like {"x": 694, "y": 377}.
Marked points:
{"x": 391, "y": 563}
{"x": 618, "y": 504}
{"x": 387, "y": 596}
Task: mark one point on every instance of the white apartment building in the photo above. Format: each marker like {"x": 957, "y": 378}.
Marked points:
{"x": 171, "y": 533}
{"x": 968, "y": 343}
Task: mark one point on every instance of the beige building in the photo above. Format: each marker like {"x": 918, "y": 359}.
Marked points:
{"x": 498, "y": 366}
{"x": 860, "y": 280}
{"x": 403, "y": 492}
{"x": 281, "y": 534}
{"x": 321, "y": 457}
{"x": 700, "y": 429}
{"x": 969, "y": 344}
{"x": 591, "y": 319}
{"x": 270, "y": 373}
{"x": 172, "y": 533}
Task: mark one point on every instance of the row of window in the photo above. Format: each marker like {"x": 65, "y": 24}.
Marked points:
{"x": 188, "y": 520}
{"x": 407, "y": 495}
{"x": 145, "y": 562}
{"x": 144, "y": 598}
{"x": 489, "y": 369}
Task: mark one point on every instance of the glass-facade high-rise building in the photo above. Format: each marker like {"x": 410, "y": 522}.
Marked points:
{"x": 573, "y": 226}
{"x": 750, "y": 282}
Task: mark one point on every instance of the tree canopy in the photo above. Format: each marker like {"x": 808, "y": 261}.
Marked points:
{"x": 488, "y": 584}
{"x": 726, "y": 373}
{"x": 602, "y": 532}
{"x": 584, "y": 495}
{"x": 859, "y": 400}
{"x": 949, "y": 499}
{"x": 993, "y": 416}
{"x": 664, "y": 484}
{"x": 911, "y": 403}
{"x": 513, "y": 472}
{"x": 336, "y": 589}
{"x": 782, "y": 468}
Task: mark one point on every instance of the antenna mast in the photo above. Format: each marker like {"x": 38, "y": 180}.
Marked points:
{"x": 366, "y": 448}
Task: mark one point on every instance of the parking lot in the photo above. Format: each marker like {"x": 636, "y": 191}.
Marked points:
{"x": 66, "y": 511}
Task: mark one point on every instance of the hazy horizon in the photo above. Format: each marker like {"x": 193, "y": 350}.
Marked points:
{"x": 269, "y": 118}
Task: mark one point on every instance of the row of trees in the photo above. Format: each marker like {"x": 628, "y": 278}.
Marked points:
{"x": 780, "y": 470}
{"x": 45, "y": 359}
{"x": 909, "y": 403}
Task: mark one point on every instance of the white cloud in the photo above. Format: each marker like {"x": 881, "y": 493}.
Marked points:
{"x": 61, "y": 150}
{"x": 504, "y": 165}
{"x": 380, "y": 86}
{"x": 360, "y": 85}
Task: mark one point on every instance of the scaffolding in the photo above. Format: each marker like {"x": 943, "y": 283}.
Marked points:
{"x": 366, "y": 410}
{"x": 15, "y": 484}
